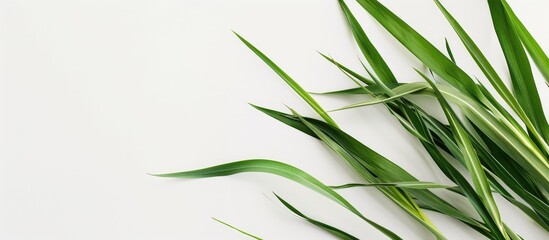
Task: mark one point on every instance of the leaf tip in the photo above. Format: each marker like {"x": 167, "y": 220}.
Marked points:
{"x": 155, "y": 174}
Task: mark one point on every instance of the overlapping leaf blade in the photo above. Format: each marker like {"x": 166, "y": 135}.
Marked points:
{"x": 482, "y": 188}
{"x": 420, "y": 47}
{"x": 531, "y": 160}
{"x": 524, "y": 86}
{"x": 374, "y": 171}
{"x": 397, "y": 93}
{"x": 533, "y": 47}
{"x": 408, "y": 185}
{"x": 376, "y": 164}
{"x": 370, "y": 52}
{"x": 293, "y": 84}
{"x": 493, "y": 77}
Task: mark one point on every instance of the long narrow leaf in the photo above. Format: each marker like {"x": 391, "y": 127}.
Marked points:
{"x": 293, "y": 84}
{"x": 331, "y": 229}
{"x": 473, "y": 163}
{"x": 420, "y": 47}
{"x": 367, "y": 48}
{"x": 449, "y": 50}
{"x": 347, "y": 70}
{"x": 533, "y": 47}
{"x": 519, "y": 66}
{"x": 237, "y": 229}
{"x": 398, "y": 92}
{"x": 280, "y": 169}
{"x": 410, "y": 185}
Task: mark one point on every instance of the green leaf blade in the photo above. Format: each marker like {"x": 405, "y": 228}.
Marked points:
{"x": 398, "y": 92}
{"x": 293, "y": 84}
{"x": 420, "y": 47}
{"x": 406, "y": 185}
{"x": 331, "y": 229}
{"x": 237, "y": 229}
{"x": 533, "y": 47}
{"x": 370, "y": 52}
{"x": 518, "y": 63}
{"x": 280, "y": 169}
{"x": 480, "y": 181}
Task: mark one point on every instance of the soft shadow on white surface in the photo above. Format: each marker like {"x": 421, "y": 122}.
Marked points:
{"x": 95, "y": 94}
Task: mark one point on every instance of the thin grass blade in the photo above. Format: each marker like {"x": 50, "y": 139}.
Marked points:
{"x": 347, "y": 70}
{"x": 409, "y": 185}
{"x": 398, "y": 92}
{"x": 293, "y": 84}
{"x": 332, "y": 230}
{"x": 449, "y": 51}
{"x": 280, "y": 169}
{"x": 370, "y": 52}
{"x": 237, "y": 229}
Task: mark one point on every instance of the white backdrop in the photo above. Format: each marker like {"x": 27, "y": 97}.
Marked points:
{"x": 95, "y": 94}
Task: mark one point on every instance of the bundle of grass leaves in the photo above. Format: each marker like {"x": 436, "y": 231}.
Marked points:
{"x": 503, "y": 146}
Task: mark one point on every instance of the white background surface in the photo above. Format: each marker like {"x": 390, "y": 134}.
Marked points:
{"x": 95, "y": 94}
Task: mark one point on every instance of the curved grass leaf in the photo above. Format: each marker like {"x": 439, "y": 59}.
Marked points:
{"x": 280, "y": 169}
{"x": 332, "y": 230}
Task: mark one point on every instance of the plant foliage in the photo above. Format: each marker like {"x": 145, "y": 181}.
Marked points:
{"x": 502, "y": 146}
